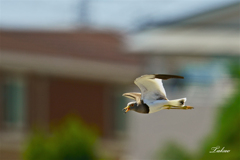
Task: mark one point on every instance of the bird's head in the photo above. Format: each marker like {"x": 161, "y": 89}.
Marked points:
{"x": 130, "y": 106}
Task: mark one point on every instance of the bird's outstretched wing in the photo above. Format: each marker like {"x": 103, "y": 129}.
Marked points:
{"x": 133, "y": 95}
{"x": 151, "y": 86}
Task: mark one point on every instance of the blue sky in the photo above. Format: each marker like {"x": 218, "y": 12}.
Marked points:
{"x": 113, "y": 14}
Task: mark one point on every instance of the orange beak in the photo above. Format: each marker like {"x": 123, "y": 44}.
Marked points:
{"x": 126, "y": 109}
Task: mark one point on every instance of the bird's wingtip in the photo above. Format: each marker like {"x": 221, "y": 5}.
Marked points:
{"x": 167, "y": 76}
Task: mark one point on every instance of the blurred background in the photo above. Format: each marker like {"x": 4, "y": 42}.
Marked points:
{"x": 65, "y": 64}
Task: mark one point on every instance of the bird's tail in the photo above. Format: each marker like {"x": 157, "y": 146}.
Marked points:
{"x": 178, "y": 102}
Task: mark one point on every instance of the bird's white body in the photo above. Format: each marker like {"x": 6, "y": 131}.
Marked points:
{"x": 158, "y": 105}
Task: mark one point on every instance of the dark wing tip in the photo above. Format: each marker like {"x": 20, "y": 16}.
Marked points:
{"x": 166, "y": 76}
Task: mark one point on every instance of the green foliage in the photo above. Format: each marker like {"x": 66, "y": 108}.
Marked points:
{"x": 173, "y": 151}
{"x": 71, "y": 141}
{"x": 227, "y": 129}
{"x": 226, "y": 132}
{"x": 234, "y": 68}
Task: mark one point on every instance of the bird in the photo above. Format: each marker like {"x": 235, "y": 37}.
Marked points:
{"x": 153, "y": 96}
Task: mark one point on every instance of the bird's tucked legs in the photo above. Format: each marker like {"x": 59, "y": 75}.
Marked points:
{"x": 167, "y": 107}
{"x": 187, "y": 107}
{"x": 175, "y": 107}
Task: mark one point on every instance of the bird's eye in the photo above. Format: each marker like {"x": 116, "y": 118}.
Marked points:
{"x": 131, "y": 105}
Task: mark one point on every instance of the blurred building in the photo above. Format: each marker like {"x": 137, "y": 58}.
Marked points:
{"x": 47, "y": 75}
{"x": 197, "y": 47}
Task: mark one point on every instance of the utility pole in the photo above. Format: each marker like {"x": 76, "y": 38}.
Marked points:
{"x": 84, "y": 13}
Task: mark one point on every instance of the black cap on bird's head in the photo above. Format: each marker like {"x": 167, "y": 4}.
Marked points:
{"x": 130, "y": 106}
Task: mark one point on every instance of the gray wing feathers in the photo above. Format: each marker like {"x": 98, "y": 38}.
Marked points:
{"x": 133, "y": 95}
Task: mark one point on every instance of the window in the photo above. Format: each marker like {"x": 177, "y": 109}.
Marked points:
{"x": 14, "y": 104}
{"x": 120, "y": 118}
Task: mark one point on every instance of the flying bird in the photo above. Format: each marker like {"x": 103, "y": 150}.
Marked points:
{"x": 153, "y": 96}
